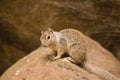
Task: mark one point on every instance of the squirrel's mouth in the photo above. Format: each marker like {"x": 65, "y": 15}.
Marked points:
{"x": 45, "y": 45}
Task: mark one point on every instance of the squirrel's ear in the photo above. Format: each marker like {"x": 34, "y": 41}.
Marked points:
{"x": 50, "y": 30}
{"x": 41, "y": 32}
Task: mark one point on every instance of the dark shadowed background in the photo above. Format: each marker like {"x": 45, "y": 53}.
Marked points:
{"x": 22, "y": 20}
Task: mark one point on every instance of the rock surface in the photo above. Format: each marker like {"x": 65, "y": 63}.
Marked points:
{"x": 21, "y": 22}
{"x": 38, "y": 66}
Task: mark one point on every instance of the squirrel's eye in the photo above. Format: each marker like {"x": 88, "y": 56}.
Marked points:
{"x": 48, "y": 37}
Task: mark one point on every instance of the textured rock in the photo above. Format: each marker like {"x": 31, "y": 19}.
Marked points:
{"x": 21, "y": 22}
{"x": 38, "y": 66}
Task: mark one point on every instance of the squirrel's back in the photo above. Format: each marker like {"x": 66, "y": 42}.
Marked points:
{"x": 72, "y": 36}
{"x": 75, "y": 44}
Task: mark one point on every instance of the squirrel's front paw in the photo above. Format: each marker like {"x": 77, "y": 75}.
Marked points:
{"x": 55, "y": 58}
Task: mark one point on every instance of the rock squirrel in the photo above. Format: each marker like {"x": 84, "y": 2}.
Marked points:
{"x": 72, "y": 42}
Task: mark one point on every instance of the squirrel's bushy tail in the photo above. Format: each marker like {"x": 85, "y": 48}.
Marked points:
{"x": 105, "y": 75}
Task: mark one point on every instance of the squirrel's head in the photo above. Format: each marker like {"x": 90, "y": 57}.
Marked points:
{"x": 47, "y": 38}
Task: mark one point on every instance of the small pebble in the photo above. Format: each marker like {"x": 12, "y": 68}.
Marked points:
{"x": 17, "y": 72}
